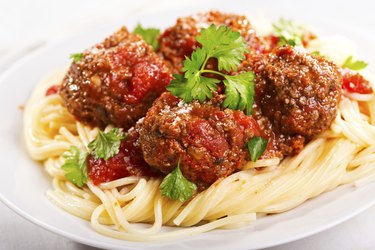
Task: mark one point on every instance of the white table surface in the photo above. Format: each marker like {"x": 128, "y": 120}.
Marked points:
{"x": 16, "y": 18}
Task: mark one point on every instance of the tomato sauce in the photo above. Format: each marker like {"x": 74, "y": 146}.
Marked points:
{"x": 147, "y": 76}
{"x": 54, "y": 89}
{"x": 356, "y": 83}
{"x": 128, "y": 162}
{"x": 210, "y": 138}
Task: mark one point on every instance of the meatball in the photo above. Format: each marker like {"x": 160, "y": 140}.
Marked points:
{"x": 300, "y": 92}
{"x": 115, "y": 82}
{"x": 296, "y": 93}
{"x": 179, "y": 41}
{"x": 210, "y": 142}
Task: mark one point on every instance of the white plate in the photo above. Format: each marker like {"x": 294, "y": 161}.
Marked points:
{"x": 23, "y": 182}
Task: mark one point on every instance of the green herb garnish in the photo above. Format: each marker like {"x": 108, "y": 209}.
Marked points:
{"x": 75, "y": 166}
{"x": 288, "y": 32}
{"x": 229, "y": 48}
{"x": 107, "y": 144}
{"x": 354, "y": 65}
{"x": 317, "y": 53}
{"x": 257, "y": 145}
{"x": 240, "y": 94}
{"x": 176, "y": 186}
{"x": 150, "y": 35}
{"x": 76, "y": 57}
{"x": 104, "y": 146}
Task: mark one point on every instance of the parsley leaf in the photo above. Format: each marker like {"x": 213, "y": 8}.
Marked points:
{"x": 150, "y": 35}
{"x": 195, "y": 63}
{"x": 257, "y": 145}
{"x": 75, "y": 166}
{"x": 240, "y": 94}
{"x": 107, "y": 144}
{"x": 76, "y": 57}
{"x": 229, "y": 48}
{"x": 288, "y": 32}
{"x": 225, "y": 45}
{"x": 354, "y": 65}
{"x": 203, "y": 87}
{"x": 317, "y": 53}
{"x": 176, "y": 186}
{"x": 180, "y": 87}
{"x": 193, "y": 86}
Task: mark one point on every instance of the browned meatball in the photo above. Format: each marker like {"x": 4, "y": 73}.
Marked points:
{"x": 297, "y": 94}
{"x": 210, "y": 142}
{"x": 300, "y": 92}
{"x": 115, "y": 82}
{"x": 179, "y": 41}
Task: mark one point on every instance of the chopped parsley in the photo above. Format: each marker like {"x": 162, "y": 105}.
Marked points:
{"x": 75, "y": 166}
{"x": 257, "y": 145}
{"x": 288, "y": 32}
{"x": 76, "y": 57}
{"x": 175, "y": 186}
{"x": 354, "y": 65}
{"x": 106, "y": 145}
{"x": 229, "y": 48}
{"x": 150, "y": 35}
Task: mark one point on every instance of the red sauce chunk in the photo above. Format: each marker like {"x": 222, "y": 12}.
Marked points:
{"x": 54, "y": 89}
{"x": 201, "y": 130}
{"x": 147, "y": 76}
{"x": 356, "y": 83}
{"x": 128, "y": 162}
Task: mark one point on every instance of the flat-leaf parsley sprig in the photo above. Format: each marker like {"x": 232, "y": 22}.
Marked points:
{"x": 257, "y": 145}
{"x": 75, "y": 166}
{"x": 289, "y": 32}
{"x": 176, "y": 186}
{"x": 229, "y": 48}
{"x": 104, "y": 146}
{"x": 150, "y": 35}
{"x": 76, "y": 57}
{"x": 354, "y": 65}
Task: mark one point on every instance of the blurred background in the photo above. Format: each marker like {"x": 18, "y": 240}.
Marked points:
{"x": 26, "y": 26}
